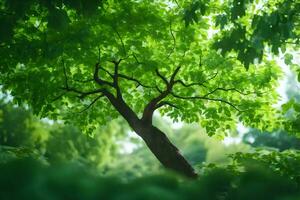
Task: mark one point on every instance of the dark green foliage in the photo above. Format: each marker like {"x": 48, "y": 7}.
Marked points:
{"x": 286, "y": 163}
{"x": 24, "y": 135}
{"x": 272, "y": 24}
{"x": 58, "y": 19}
{"x": 57, "y": 36}
{"x": 195, "y": 11}
{"x": 28, "y": 179}
{"x": 259, "y": 184}
{"x": 280, "y": 140}
{"x": 16, "y": 126}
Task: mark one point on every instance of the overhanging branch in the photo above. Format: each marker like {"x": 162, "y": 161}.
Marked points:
{"x": 206, "y": 98}
{"x": 135, "y": 80}
{"x": 165, "y": 103}
{"x": 121, "y": 40}
{"x": 92, "y": 103}
{"x": 174, "y": 41}
{"x": 82, "y": 94}
{"x": 197, "y": 83}
{"x": 228, "y": 90}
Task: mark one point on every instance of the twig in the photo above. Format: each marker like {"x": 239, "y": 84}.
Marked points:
{"x": 135, "y": 80}
{"x": 121, "y": 40}
{"x": 92, "y": 103}
{"x": 174, "y": 41}
{"x": 206, "y": 98}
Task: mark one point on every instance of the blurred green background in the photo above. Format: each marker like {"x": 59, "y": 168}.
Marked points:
{"x": 43, "y": 159}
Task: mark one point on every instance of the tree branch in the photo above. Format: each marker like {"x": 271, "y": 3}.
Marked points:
{"x": 135, "y": 80}
{"x": 197, "y": 83}
{"x": 164, "y": 103}
{"x": 116, "y": 77}
{"x": 99, "y": 54}
{"x": 136, "y": 59}
{"x": 162, "y": 77}
{"x": 189, "y": 84}
{"x": 174, "y": 75}
{"x": 151, "y": 106}
{"x": 118, "y": 103}
{"x": 211, "y": 78}
{"x": 121, "y": 40}
{"x": 58, "y": 97}
{"x": 65, "y": 74}
{"x": 92, "y": 103}
{"x": 82, "y": 94}
{"x": 227, "y": 90}
{"x": 83, "y": 81}
{"x": 98, "y": 80}
{"x": 174, "y": 41}
{"x": 206, "y": 98}
{"x": 177, "y": 3}
{"x": 105, "y": 70}
{"x": 67, "y": 88}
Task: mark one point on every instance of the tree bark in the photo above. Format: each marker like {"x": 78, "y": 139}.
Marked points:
{"x": 155, "y": 139}
{"x": 165, "y": 151}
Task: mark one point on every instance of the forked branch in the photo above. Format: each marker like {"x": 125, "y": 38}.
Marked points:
{"x": 81, "y": 94}
{"x": 153, "y": 104}
{"x": 99, "y": 80}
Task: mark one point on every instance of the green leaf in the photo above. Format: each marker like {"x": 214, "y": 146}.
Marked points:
{"x": 297, "y": 107}
{"x": 288, "y": 59}
{"x": 221, "y": 20}
{"x": 285, "y": 107}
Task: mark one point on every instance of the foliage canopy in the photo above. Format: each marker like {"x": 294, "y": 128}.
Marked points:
{"x": 49, "y": 50}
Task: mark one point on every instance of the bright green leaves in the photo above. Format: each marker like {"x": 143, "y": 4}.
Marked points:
{"x": 289, "y": 105}
{"x": 291, "y": 110}
{"x": 147, "y": 36}
{"x": 230, "y": 93}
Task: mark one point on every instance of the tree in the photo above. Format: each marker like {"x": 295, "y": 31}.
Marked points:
{"x": 145, "y": 57}
{"x": 278, "y": 139}
{"x": 24, "y": 135}
{"x": 19, "y": 129}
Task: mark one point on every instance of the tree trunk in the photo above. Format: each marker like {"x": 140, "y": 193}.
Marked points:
{"x": 165, "y": 151}
{"x": 156, "y": 140}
